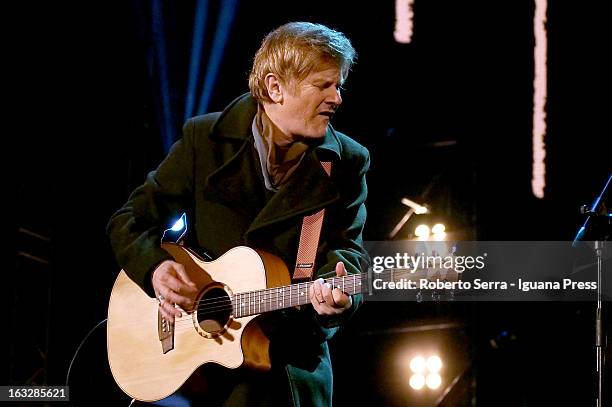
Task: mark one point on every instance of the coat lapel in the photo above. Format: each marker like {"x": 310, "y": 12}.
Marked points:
{"x": 308, "y": 190}
{"x": 239, "y": 181}
{"x": 236, "y": 182}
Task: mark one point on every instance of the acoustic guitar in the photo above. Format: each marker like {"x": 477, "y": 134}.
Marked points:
{"x": 150, "y": 358}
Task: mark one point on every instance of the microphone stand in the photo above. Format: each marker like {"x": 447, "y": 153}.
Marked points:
{"x": 598, "y": 219}
{"x": 414, "y": 208}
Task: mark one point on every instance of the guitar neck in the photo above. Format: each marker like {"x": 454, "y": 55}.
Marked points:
{"x": 273, "y": 299}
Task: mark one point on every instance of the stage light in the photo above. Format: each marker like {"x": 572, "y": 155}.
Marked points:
{"x": 434, "y": 364}
{"x": 418, "y": 209}
{"x": 438, "y": 228}
{"x": 433, "y": 381}
{"x": 403, "y": 21}
{"x": 425, "y": 372}
{"x": 418, "y": 364}
{"x": 422, "y": 231}
{"x": 438, "y": 231}
{"x": 439, "y": 236}
{"x": 414, "y": 208}
{"x": 417, "y": 381}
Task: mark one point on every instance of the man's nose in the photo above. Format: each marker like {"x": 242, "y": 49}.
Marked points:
{"x": 335, "y": 97}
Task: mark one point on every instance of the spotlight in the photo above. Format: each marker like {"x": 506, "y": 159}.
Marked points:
{"x": 414, "y": 208}
{"x": 418, "y": 364}
{"x": 418, "y": 209}
{"x": 438, "y": 231}
{"x": 434, "y": 364}
{"x": 426, "y": 372}
{"x": 422, "y": 231}
{"x": 417, "y": 381}
{"x": 438, "y": 228}
{"x": 433, "y": 381}
{"x": 439, "y": 236}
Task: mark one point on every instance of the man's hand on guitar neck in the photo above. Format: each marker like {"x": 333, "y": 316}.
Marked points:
{"x": 327, "y": 301}
{"x": 170, "y": 281}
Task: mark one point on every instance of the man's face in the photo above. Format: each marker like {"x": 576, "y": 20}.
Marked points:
{"x": 308, "y": 105}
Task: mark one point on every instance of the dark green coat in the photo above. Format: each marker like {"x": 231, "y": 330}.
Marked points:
{"x": 213, "y": 173}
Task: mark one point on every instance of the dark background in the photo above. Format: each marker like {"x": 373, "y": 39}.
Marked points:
{"x": 87, "y": 132}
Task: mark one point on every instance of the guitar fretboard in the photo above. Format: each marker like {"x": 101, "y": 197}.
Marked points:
{"x": 272, "y": 299}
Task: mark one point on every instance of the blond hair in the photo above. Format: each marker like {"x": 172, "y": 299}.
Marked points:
{"x": 293, "y": 50}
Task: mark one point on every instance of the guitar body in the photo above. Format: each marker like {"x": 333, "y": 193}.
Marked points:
{"x": 150, "y": 359}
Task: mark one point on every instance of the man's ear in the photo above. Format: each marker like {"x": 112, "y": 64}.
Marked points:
{"x": 274, "y": 88}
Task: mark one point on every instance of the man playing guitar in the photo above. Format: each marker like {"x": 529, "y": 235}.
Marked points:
{"x": 248, "y": 176}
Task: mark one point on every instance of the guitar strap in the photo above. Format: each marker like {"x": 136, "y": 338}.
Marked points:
{"x": 309, "y": 239}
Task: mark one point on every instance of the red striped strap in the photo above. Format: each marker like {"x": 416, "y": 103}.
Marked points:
{"x": 309, "y": 240}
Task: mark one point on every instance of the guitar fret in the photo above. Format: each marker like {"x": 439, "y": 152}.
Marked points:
{"x": 271, "y": 299}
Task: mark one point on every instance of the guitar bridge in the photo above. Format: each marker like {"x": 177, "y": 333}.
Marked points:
{"x": 165, "y": 331}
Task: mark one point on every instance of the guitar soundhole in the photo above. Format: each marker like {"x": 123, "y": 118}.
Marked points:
{"x": 214, "y": 311}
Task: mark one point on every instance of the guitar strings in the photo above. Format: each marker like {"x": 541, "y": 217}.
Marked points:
{"x": 228, "y": 307}
{"x": 272, "y": 295}
{"x": 253, "y": 302}
{"x": 275, "y": 290}
{"x": 278, "y": 291}
{"x": 187, "y": 321}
